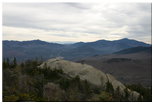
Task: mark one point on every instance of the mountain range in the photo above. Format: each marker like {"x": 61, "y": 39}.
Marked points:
{"x": 129, "y": 61}
{"x": 24, "y": 50}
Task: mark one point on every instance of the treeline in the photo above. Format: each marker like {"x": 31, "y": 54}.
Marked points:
{"x": 27, "y": 82}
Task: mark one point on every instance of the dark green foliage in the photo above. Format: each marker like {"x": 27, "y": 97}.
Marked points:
{"x": 64, "y": 83}
{"x": 145, "y": 92}
{"x": 126, "y": 96}
{"x": 103, "y": 96}
{"x": 6, "y": 63}
{"x": 109, "y": 87}
{"x": 26, "y": 81}
{"x": 14, "y": 62}
{"x": 117, "y": 95}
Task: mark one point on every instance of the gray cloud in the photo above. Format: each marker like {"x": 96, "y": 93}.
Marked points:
{"x": 77, "y": 21}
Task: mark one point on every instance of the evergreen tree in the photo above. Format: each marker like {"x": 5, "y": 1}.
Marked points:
{"x": 4, "y": 63}
{"x": 126, "y": 94}
{"x": 109, "y": 87}
{"x": 7, "y": 62}
{"x": 117, "y": 95}
{"x": 14, "y": 62}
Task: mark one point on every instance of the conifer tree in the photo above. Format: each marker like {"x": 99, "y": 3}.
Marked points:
{"x": 109, "y": 87}
{"x": 14, "y": 62}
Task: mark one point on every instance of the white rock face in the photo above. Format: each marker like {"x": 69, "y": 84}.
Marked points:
{"x": 115, "y": 83}
{"x": 87, "y": 72}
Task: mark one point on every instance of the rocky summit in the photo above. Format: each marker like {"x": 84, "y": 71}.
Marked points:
{"x": 89, "y": 73}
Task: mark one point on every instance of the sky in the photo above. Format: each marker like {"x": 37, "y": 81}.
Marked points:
{"x": 75, "y": 22}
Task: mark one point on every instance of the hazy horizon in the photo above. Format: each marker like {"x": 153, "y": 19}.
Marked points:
{"x": 71, "y": 42}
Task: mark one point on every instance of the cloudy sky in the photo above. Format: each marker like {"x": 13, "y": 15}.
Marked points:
{"x": 76, "y": 21}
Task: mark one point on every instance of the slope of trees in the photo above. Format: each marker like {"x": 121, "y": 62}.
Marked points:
{"x": 27, "y": 82}
{"x": 145, "y": 92}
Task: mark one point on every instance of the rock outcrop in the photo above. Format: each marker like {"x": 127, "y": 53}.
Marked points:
{"x": 89, "y": 73}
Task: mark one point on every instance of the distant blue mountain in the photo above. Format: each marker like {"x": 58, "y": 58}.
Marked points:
{"x": 24, "y": 50}
{"x": 107, "y": 47}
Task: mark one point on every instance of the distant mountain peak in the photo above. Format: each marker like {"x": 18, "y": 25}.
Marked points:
{"x": 124, "y": 39}
{"x": 35, "y": 40}
{"x": 102, "y": 40}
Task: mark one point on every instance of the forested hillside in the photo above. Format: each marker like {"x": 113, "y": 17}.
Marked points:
{"x": 27, "y": 82}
